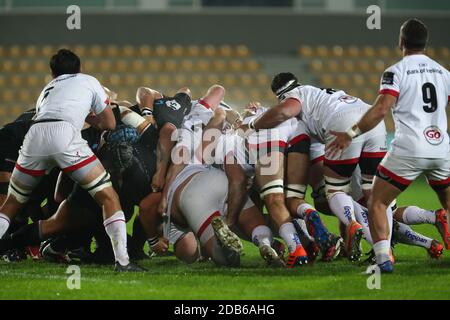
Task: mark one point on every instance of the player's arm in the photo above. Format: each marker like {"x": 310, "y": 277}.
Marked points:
{"x": 370, "y": 120}
{"x": 214, "y": 96}
{"x": 277, "y": 115}
{"x": 102, "y": 121}
{"x": 237, "y": 189}
{"x": 132, "y": 119}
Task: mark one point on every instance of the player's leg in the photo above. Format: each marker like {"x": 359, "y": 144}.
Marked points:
{"x": 252, "y": 223}
{"x": 186, "y": 248}
{"x": 439, "y": 180}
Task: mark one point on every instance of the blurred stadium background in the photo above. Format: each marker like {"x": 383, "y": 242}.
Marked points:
{"x": 167, "y": 44}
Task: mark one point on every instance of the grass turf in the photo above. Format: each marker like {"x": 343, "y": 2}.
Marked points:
{"x": 415, "y": 277}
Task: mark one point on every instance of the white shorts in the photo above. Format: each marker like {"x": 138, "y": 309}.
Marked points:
{"x": 316, "y": 152}
{"x": 53, "y": 144}
{"x": 204, "y": 198}
{"x": 176, "y": 233}
{"x": 299, "y": 139}
{"x": 402, "y": 171}
{"x": 367, "y": 149}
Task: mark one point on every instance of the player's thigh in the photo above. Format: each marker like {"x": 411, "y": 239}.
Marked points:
{"x": 250, "y": 218}
{"x": 383, "y": 193}
{"x": 439, "y": 179}
{"x": 186, "y": 248}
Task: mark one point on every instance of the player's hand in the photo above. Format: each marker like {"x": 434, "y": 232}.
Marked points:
{"x": 161, "y": 246}
{"x": 253, "y": 106}
{"x": 158, "y": 182}
{"x": 162, "y": 207}
{"x": 339, "y": 144}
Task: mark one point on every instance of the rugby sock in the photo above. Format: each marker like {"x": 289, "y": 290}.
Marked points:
{"x": 342, "y": 206}
{"x": 303, "y": 209}
{"x": 415, "y": 215}
{"x": 382, "y": 249}
{"x": 117, "y": 231}
{"x": 302, "y": 231}
{"x": 262, "y": 235}
{"x": 27, "y": 235}
{"x": 361, "y": 216}
{"x": 290, "y": 236}
{"x": 406, "y": 235}
{"x": 4, "y": 224}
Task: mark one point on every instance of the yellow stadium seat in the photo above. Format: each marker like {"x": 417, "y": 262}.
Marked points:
{"x": 316, "y": 65}
{"x": 154, "y": 65}
{"x": 121, "y": 65}
{"x": 137, "y": 65}
{"x": 444, "y": 53}
{"x": 24, "y": 65}
{"x": 8, "y": 95}
{"x": 180, "y": 80}
{"x": 177, "y": 51}
{"x": 263, "y": 80}
{"x": 2, "y": 80}
{"x": 212, "y": 78}
{"x": 219, "y": 65}
{"x": 16, "y": 111}
{"x": 353, "y": 52}
{"x": 170, "y": 65}
{"x": 196, "y": 80}
{"x": 193, "y": 51}
{"x": 209, "y": 51}
{"x": 251, "y": 65}
{"x": 24, "y": 96}
{"x": 130, "y": 80}
{"x": 380, "y": 66}
{"x": 322, "y": 51}
{"x": 31, "y": 51}
{"x": 47, "y": 51}
{"x": 128, "y": 51}
{"x": 161, "y": 51}
{"x": 369, "y": 52}
{"x": 145, "y": 51}
{"x": 105, "y": 65}
{"x": 164, "y": 80}
{"x": 147, "y": 80}
{"x": 235, "y": 65}
{"x": 8, "y": 66}
{"x": 186, "y": 65}
{"x": 359, "y": 80}
{"x": 343, "y": 81}
{"x": 225, "y": 51}
{"x": 246, "y": 80}
{"x": 332, "y": 66}
{"x": 202, "y": 65}
{"x": 374, "y": 80}
{"x": 242, "y": 51}
{"x": 229, "y": 80}
{"x": 337, "y": 51}
{"x": 80, "y": 50}
{"x": 114, "y": 80}
{"x": 16, "y": 81}
{"x": 41, "y": 66}
{"x": 112, "y": 51}
{"x": 384, "y": 52}
{"x": 431, "y": 52}
{"x": 95, "y": 51}
{"x": 305, "y": 52}
{"x": 15, "y": 51}
{"x": 89, "y": 65}
{"x": 238, "y": 94}
{"x": 363, "y": 66}
{"x": 327, "y": 81}
{"x": 348, "y": 65}
{"x": 255, "y": 94}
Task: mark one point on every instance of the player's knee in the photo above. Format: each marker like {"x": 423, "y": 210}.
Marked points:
{"x": 274, "y": 200}
{"x": 186, "y": 249}
{"x": 336, "y": 185}
{"x": 272, "y": 190}
{"x": 100, "y": 186}
{"x": 21, "y": 194}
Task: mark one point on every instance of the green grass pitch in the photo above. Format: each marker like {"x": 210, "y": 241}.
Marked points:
{"x": 415, "y": 277}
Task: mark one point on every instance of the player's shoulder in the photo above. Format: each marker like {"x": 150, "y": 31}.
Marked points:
{"x": 87, "y": 78}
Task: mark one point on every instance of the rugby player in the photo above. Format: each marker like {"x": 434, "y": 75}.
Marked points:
{"x": 417, "y": 89}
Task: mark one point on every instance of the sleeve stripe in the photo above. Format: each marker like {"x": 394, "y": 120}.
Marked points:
{"x": 390, "y": 92}
{"x": 448, "y": 99}
{"x": 293, "y": 99}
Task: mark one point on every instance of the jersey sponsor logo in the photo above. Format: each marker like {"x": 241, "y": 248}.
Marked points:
{"x": 388, "y": 78}
{"x": 172, "y": 104}
{"x": 433, "y": 135}
{"x": 348, "y": 99}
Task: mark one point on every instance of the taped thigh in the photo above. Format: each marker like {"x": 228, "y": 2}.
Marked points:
{"x": 333, "y": 185}
{"x": 276, "y": 186}
{"x": 103, "y": 181}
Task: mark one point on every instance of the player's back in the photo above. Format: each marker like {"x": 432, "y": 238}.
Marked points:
{"x": 70, "y": 97}
{"x": 422, "y": 87}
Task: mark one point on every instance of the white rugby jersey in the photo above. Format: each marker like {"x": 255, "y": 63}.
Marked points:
{"x": 318, "y": 106}
{"x": 71, "y": 97}
{"x": 422, "y": 87}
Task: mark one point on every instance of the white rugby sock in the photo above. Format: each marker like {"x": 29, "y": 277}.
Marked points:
{"x": 303, "y": 208}
{"x": 406, "y": 235}
{"x": 342, "y": 206}
{"x": 382, "y": 249}
{"x": 290, "y": 236}
{"x": 415, "y": 215}
{"x": 262, "y": 235}
{"x": 4, "y": 224}
{"x": 361, "y": 216}
{"x": 116, "y": 229}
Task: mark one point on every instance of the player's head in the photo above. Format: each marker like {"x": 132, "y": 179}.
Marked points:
{"x": 284, "y": 82}
{"x": 413, "y": 35}
{"x": 65, "y": 62}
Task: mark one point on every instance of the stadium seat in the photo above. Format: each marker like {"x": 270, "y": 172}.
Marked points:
{"x": 161, "y": 51}
{"x": 225, "y": 51}
{"x": 95, "y": 51}
{"x": 242, "y": 51}
{"x": 145, "y": 51}
{"x": 177, "y": 51}
{"x": 209, "y": 51}
{"x": 323, "y": 51}
{"x": 337, "y": 51}
{"x": 128, "y": 51}
{"x": 193, "y": 51}
{"x": 306, "y": 52}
